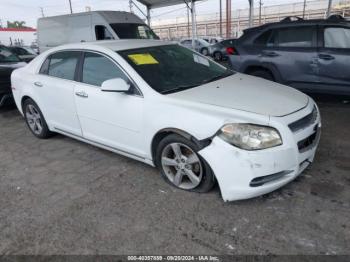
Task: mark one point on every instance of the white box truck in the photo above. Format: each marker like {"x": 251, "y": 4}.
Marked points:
{"x": 91, "y": 26}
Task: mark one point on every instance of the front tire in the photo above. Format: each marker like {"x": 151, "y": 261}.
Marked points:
{"x": 35, "y": 119}
{"x": 205, "y": 51}
{"x": 182, "y": 166}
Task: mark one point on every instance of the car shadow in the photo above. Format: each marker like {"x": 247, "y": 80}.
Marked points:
{"x": 8, "y": 111}
{"x": 330, "y": 99}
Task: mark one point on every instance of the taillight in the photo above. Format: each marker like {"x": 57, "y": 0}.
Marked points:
{"x": 231, "y": 51}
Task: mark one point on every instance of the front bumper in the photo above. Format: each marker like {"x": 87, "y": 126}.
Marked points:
{"x": 245, "y": 174}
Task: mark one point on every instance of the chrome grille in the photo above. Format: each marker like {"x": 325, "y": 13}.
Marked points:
{"x": 304, "y": 122}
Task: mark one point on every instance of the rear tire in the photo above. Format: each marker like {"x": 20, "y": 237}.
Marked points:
{"x": 217, "y": 56}
{"x": 262, "y": 74}
{"x": 205, "y": 51}
{"x": 35, "y": 120}
{"x": 181, "y": 166}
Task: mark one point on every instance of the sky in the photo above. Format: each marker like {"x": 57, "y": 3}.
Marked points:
{"x": 30, "y": 10}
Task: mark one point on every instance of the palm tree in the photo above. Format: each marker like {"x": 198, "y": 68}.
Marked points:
{"x": 16, "y": 24}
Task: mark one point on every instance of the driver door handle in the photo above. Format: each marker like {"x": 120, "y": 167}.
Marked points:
{"x": 325, "y": 57}
{"x": 82, "y": 94}
{"x": 269, "y": 54}
{"x": 38, "y": 84}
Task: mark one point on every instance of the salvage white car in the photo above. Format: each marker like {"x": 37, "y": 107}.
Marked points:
{"x": 172, "y": 108}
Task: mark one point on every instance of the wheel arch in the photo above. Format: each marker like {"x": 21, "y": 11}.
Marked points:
{"x": 161, "y": 134}
{"x": 268, "y": 68}
{"x": 28, "y": 96}
{"x": 23, "y": 99}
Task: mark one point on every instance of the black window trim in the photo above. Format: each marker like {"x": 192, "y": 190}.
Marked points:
{"x": 79, "y": 67}
{"x": 45, "y": 70}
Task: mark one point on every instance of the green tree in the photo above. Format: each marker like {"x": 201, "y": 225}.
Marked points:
{"x": 16, "y": 24}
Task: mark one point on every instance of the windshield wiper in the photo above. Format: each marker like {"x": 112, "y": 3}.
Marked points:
{"x": 178, "y": 88}
{"x": 227, "y": 73}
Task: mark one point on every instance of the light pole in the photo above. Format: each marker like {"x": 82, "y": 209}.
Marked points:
{"x": 188, "y": 22}
{"x": 42, "y": 12}
{"x": 251, "y": 13}
{"x": 70, "y": 5}
{"x": 228, "y": 18}
{"x": 329, "y": 8}
{"x": 220, "y": 14}
{"x": 130, "y": 6}
{"x": 304, "y": 9}
{"x": 260, "y": 5}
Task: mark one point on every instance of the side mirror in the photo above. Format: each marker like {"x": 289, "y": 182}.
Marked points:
{"x": 115, "y": 85}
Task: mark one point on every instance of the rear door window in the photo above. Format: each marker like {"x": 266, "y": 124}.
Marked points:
{"x": 63, "y": 64}
{"x": 337, "y": 37}
{"x": 301, "y": 36}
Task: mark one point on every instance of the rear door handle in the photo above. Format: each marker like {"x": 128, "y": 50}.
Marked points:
{"x": 269, "y": 54}
{"x": 81, "y": 94}
{"x": 38, "y": 84}
{"x": 325, "y": 57}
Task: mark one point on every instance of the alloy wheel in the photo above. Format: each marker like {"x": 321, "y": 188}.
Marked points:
{"x": 182, "y": 166}
{"x": 205, "y": 52}
{"x": 34, "y": 119}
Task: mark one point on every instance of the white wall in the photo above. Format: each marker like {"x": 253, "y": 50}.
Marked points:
{"x": 24, "y": 36}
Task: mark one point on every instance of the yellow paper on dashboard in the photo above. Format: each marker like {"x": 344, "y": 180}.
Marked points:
{"x": 143, "y": 59}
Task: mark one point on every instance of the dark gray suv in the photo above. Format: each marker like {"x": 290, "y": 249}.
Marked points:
{"x": 311, "y": 55}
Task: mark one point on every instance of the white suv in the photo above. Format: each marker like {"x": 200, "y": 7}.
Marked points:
{"x": 170, "y": 107}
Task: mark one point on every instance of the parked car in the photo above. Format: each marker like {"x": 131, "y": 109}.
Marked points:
{"x": 91, "y": 26}
{"x": 25, "y": 53}
{"x": 212, "y": 39}
{"x": 221, "y": 50}
{"x": 311, "y": 55}
{"x": 8, "y": 62}
{"x": 167, "y": 106}
{"x": 201, "y": 45}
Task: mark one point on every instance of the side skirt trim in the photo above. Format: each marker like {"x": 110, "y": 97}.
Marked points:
{"x": 109, "y": 148}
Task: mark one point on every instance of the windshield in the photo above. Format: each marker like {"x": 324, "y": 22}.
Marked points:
{"x": 203, "y": 42}
{"x": 29, "y": 50}
{"x": 7, "y": 56}
{"x": 133, "y": 31}
{"x": 173, "y": 68}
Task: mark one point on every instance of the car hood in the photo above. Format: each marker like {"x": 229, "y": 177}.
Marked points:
{"x": 247, "y": 93}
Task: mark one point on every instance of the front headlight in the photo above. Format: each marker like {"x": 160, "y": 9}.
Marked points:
{"x": 250, "y": 137}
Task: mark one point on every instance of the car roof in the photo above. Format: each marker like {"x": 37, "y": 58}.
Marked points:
{"x": 116, "y": 45}
{"x": 287, "y": 22}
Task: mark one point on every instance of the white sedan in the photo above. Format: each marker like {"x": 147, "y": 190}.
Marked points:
{"x": 172, "y": 108}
